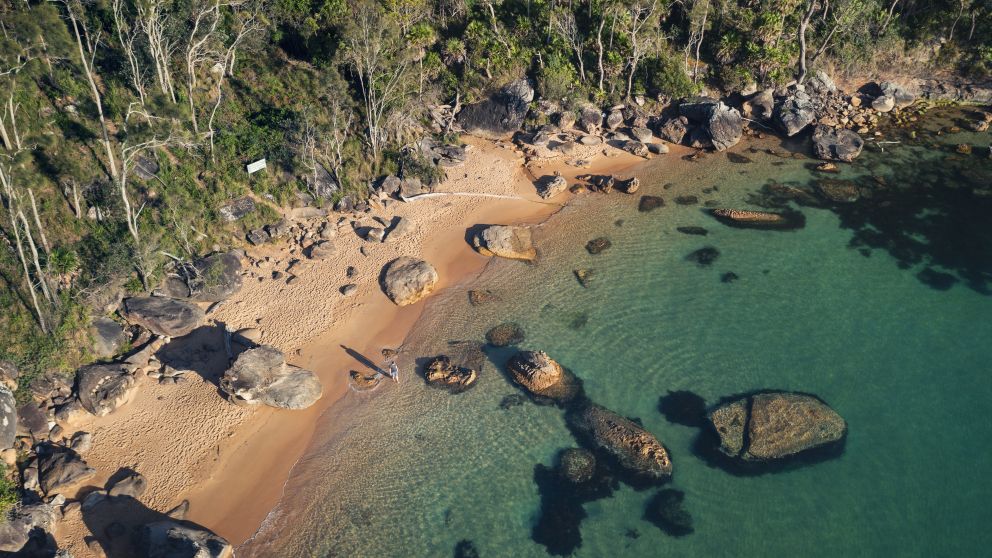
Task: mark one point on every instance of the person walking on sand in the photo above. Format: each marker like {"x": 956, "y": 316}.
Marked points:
{"x": 394, "y": 371}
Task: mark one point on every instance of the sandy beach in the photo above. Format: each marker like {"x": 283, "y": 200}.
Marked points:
{"x": 231, "y": 462}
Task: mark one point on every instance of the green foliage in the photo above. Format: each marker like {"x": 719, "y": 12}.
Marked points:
{"x": 8, "y": 492}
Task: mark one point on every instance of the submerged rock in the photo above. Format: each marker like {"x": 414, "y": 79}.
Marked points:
{"x": 636, "y": 450}
{"x": 667, "y": 512}
{"x": 162, "y": 315}
{"x": 584, "y": 276}
{"x": 742, "y": 218}
{"x": 505, "y": 335}
{"x": 704, "y": 256}
{"x": 598, "y": 245}
{"x": 683, "y": 407}
{"x": 775, "y": 425}
{"x": 481, "y": 297}
{"x": 577, "y": 465}
{"x": 650, "y": 203}
{"x": 407, "y": 280}
{"x": 505, "y": 241}
{"x": 261, "y": 375}
{"x": 838, "y": 191}
{"x": 695, "y": 231}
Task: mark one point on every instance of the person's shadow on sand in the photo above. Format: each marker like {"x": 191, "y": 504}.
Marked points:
{"x": 363, "y": 360}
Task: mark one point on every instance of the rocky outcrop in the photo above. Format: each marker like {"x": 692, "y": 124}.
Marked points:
{"x": 441, "y": 372}
{"x": 261, "y": 375}
{"x": 407, "y": 280}
{"x": 505, "y": 241}
{"x": 501, "y": 114}
{"x": 721, "y": 126}
{"x": 236, "y": 209}
{"x": 60, "y": 468}
{"x": 108, "y": 337}
{"x": 636, "y": 450}
{"x": 174, "y": 539}
{"x": 102, "y": 388}
{"x": 591, "y": 119}
{"x": 540, "y": 375}
{"x": 132, "y": 485}
{"x": 775, "y": 425}
{"x": 836, "y": 145}
{"x": 162, "y": 315}
{"x": 743, "y": 218}
{"x": 210, "y": 279}
{"x": 674, "y": 129}
{"x": 761, "y": 105}
{"x": 795, "y": 113}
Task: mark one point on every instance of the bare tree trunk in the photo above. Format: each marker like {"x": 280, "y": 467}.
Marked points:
{"x": 888, "y": 17}
{"x": 7, "y": 144}
{"x": 37, "y": 222}
{"x": 699, "y": 43}
{"x": 950, "y": 32}
{"x": 42, "y": 278}
{"x": 802, "y": 39}
{"x": 12, "y": 110}
{"x": 97, "y": 99}
{"x": 126, "y": 37}
{"x": 24, "y": 264}
{"x": 599, "y": 49}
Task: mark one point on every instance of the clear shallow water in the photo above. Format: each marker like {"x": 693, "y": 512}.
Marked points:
{"x": 906, "y": 364}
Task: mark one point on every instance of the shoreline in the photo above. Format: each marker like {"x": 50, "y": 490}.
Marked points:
{"x": 231, "y": 463}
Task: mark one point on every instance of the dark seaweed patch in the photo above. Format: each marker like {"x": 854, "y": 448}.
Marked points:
{"x": 667, "y": 511}
{"x": 683, "y": 407}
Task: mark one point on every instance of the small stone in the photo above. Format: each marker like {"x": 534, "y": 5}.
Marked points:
{"x": 349, "y": 289}
{"x": 598, "y": 245}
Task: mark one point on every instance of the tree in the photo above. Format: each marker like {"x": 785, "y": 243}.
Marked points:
{"x": 641, "y": 27}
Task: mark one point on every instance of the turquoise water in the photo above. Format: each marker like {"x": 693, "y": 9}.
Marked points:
{"x": 837, "y": 309}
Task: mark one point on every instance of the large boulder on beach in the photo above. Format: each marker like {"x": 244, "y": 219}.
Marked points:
{"x": 551, "y": 185}
{"x": 181, "y": 539}
{"x": 501, "y": 114}
{"x": 901, "y": 96}
{"x": 591, "y": 119}
{"x": 261, "y": 375}
{"x": 163, "y": 315}
{"x": 102, "y": 388}
{"x": 795, "y": 113}
{"x": 210, "y": 279}
{"x": 674, "y": 129}
{"x": 60, "y": 467}
{"x": 8, "y": 418}
{"x": 836, "y": 145}
{"x": 540, "y": 375}
{"x": 505, "y": 241}
{"x": 407, "y": 280}
{"x": 775, "y": 425}
{"x": 718, "y": 125}
{"x": 636, "y": 450}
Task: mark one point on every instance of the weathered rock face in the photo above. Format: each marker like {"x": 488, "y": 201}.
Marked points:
{"x": 743, "y": 218}
{"x": 722, "y": 126}
{"x": 539, "y": 374}
{"x": 836, "y": 145}
{"x": 322, "y": 250}
{"x": 775, "y": 425}
{"x": 210, "y": 279}
{"x": 636, "y": 449}
{"x": 591, "y": 119}
{"x": 795, "y": 113}
{"x": 133, "y": 486}
{"x": 16, "y": 530}
{"x": 172, "y": 539}
{"x": 261, "y": 375}
{"x": 8, "y": 418}
{"x": 500, "y": 115}
{"x": 236, "y": 209}
{"x": 761, "y": 105}
{"x": 162, "y": 315}
{"x": 60, "y": 467}
{"x": 674, "y": 129}
{"x": 883, "y": 103}
{"x": 101, "y": 388}
{"x": 505, "y": 241}
{"x": 108, "y": 337}
{"x": 551, "y": 185}
{"x": 441, "y": 372}
{"x": 407, "y": 280}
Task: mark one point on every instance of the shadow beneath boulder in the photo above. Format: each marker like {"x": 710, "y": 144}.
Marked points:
{"x": 363, "y": 360}
{"x": 204, "y": 351}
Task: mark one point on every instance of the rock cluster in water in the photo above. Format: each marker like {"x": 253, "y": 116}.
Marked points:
{"x": 635, "y": 449}
{"x": 441, "y": 372}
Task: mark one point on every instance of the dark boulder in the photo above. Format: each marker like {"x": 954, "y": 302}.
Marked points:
{"x": 175, "y": 539}
{"x": 441, "y": 372}
{"x": 163, "y": 315}
{"x": 501, "y": 114}
{"x": 102, "y": 388}
{"x": 838, "y": 191}
{"x": 674, "y": 129}
{"x": 108, "y": 337}
{"x": 24, "y": 523}
{"x": 695, "y": 231}
{"x": 133, "y": 485}
{"x": 794, "y": 114}
{"x": 704, "y": 256}
{"x": 598, "y": 245}
{"x": 60, "y": 467}
{"x": 836, "y": 145}
{"x": 650, "y": 203}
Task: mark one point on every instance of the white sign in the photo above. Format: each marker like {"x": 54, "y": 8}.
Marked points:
{"x": 256, "y": 166}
